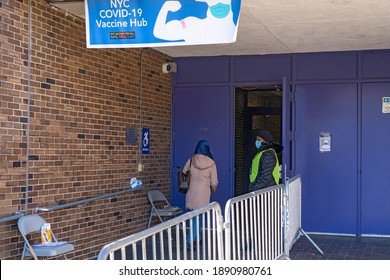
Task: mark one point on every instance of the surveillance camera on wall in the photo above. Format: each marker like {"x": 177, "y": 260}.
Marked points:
{"x": 169, "y": 67}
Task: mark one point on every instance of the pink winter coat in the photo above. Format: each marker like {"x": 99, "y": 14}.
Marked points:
{"x": 204, "y": 181}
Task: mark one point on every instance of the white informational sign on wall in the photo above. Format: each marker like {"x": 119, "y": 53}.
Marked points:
{"x": 386, "y": 105}
{"x": 325, "y": 142}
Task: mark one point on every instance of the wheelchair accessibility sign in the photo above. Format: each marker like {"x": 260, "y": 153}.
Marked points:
{"x": 145, "y": 140}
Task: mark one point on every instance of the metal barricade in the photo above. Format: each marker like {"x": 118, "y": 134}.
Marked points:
{"x": 168, "y": 240}
{"x": 253, "y": 228}
{"x": 253, "y": 225}
{"x": 293, "y": 213}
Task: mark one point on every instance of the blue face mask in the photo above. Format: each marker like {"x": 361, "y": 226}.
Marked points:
{"x": 220, "y": 10}
{"x": 258, "y": 144}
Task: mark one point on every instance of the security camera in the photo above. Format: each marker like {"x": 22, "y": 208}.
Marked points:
{"x": 169, "y": 67}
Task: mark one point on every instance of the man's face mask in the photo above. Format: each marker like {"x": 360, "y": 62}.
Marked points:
{"x": 258, "y": 144}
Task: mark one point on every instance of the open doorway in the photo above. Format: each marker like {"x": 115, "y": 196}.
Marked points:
{"x": 255, "y": 107}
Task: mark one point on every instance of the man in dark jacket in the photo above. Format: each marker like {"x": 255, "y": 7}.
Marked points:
{"x": 265, "y": 164}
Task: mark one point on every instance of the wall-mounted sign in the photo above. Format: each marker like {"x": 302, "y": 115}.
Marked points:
{"x": 325, "y": 142}
{"x": 145, "y": 141}
{"x": 386, "y": 105}
{"x": 160, "y": 23}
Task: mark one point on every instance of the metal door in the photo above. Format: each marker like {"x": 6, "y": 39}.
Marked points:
{"x": 375, "y": 159}
{"x": 203, "y": 113}
{"x": 329, "y": 178}
{"x": 287, "y": 139}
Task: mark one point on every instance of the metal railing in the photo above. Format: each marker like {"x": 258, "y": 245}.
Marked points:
{"x": 83, "y": 202}
{"x": 168, "y": 240}
{"x": 253, "y": 229}
{"x": 294, "y": 214}
{"x": 253, "y": 225}
{"x": 293, "y": 218}
{"x": 13, "y": 217}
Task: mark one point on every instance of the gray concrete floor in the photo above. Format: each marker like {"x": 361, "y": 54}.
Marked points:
{"x": 341, "y": 248}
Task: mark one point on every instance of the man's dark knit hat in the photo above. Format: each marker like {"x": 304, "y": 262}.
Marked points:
{"x": 264, "y": 134}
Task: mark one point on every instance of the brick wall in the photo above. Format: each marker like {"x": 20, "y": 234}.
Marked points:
{"x": 72, "y": 145}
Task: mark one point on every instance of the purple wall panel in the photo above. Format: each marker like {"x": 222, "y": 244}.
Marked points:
{"x": 326, "y": 66}
{"x": 329, "y": 181}
{"x": 202, "y": 70}
{"x": 376, "y": 65}
{"x": 375, "y": 160}
{"x": 252, "y": 69}
{"x": 203, "y": 113}
{"x": 332, "y": 201}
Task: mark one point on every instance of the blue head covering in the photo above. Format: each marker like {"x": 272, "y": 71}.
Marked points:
{"x": 203, "y": 148}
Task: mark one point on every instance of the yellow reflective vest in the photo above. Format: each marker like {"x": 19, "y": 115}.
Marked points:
{"x": 256, "y": 163}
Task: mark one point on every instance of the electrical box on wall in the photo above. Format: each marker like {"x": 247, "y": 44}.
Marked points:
{"x": 131, "y": 136}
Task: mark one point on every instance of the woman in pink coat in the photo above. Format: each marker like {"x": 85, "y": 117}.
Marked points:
{"x": 204, "y": 181}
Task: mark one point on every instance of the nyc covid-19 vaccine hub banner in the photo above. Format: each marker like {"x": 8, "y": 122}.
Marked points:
{"x": 154, "y": 23}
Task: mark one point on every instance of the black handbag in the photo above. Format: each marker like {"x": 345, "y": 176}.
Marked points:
{"x": 183, "y": 180}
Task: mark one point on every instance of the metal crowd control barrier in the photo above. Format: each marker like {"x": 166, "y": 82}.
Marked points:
{"x": 293, "y": 214}
{"x": 167, "y": 241}
{"x": 254, "y": 227}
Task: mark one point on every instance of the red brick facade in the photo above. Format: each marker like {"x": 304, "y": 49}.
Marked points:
{"x": 63, "y": 120}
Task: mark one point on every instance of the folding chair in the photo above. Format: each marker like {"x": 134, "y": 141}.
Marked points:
{"x": 31, "y": 224}
{"x": 161, "y": 206}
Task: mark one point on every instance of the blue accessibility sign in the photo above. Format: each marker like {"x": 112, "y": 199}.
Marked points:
{"x": 145, "y": 141}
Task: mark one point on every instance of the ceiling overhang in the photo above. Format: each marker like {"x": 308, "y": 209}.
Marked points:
{"x": 285, "y": 26}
